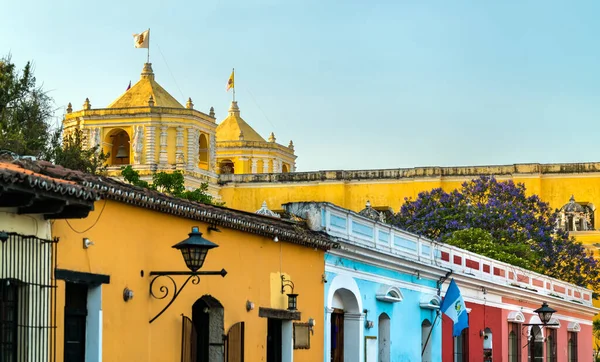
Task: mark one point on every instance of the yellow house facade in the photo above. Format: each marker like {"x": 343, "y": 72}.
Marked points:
{"x": 117, "y": 273}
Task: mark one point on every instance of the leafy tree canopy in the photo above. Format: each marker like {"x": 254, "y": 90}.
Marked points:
{"x": 26, "y": 113}
{"x": 497, "y": 219}
{"x": 171, "y": 184}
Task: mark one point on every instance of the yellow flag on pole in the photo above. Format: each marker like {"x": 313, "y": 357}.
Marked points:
{"x": 230, "y": 82}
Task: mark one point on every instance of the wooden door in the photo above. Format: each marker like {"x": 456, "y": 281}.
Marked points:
{"x": 337, "y": 336}
{"x": 234, "y": 344}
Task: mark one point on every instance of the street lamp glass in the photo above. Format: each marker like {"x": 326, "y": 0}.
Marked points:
{"x": 545, "y": 313}
{"x": 292, "y": 301}
{"x": 194, "y": 249}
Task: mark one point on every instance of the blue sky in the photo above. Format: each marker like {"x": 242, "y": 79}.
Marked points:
{"x": 355, "y": 84}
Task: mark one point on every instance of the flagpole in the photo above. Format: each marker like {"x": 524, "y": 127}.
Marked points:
{"x": 148, "y": 60}
{"x": 233, "y": 71}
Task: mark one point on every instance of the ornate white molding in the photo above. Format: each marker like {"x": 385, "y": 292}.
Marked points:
{"x": 265, "y": 165}
{"x": 95, "y": 137}
{"x": 137, "y": 144}
{"x": 213, "y": 152}
{"x": 163, "y": 158}
{"x": 192, "y": 146}
{"x": 179, "y": 157}
{"x": 254, "y": 165}
{"x": 150, "y": 145}
{"x": 516, "y": 317}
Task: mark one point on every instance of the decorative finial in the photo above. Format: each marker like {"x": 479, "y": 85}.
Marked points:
{"x": 368, "y": 204}
{"x": 87, "y": 104}
{"x": 241, "y": 135}
{"x": 151, "y": 101}
{"x": 69, "y": 108}
{"x": 212, "y": 112}
{"x": 189, "y": 104}
{"x": 291, "y": 145}
{"x": 147, "y": 72}
{"x": 572, "y": 199}
{"x": 234, "y": 109}
{"x": 272, "y": 137}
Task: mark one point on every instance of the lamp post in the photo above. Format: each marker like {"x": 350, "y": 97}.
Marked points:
{"x": 545, "y": 314}
{"x": 194, "y": 250}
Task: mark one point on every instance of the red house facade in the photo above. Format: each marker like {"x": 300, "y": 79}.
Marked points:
{"x": 503, "y": 327}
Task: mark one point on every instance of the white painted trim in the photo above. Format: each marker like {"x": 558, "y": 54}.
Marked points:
{"x": 516, "y": 317}
{"x": 573, "y": 327}
{"x": 554, "y": 320}
{"x": 385, "y": 294}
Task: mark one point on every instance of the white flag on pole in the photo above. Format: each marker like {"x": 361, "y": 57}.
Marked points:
{"x": 142, "y": 40}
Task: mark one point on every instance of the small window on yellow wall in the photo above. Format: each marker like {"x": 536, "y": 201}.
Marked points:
{"x": 285, "y": 168}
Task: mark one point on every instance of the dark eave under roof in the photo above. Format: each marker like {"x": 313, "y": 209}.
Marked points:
{"x": 110, "y": 189}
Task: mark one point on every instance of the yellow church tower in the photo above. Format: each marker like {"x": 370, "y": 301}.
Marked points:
{"x": 150, "y": 130}
{"x": 241, "y": 150}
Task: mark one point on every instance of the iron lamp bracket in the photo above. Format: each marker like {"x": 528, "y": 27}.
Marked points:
{"x": 164, "y": 291}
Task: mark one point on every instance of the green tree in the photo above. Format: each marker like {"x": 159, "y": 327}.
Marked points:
{"x": 170, "y": 184}
{"x": 70, "y": 153}
{"x": 518, "y": 224}
{"x": 26, "y": 113}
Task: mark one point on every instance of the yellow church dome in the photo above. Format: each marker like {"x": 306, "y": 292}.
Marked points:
{"x": 139, "y": 94}
{"x": 234, "y": 128}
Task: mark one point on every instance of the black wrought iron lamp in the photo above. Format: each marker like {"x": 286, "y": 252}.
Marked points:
{"x": 194, "y": 250}
{"x": 292, "y": 298}
{"x": 545, "y": 314}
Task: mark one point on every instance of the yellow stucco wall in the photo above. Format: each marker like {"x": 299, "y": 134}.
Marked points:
{"x": 556, "y": 189}
{"x": 129, "y": 240}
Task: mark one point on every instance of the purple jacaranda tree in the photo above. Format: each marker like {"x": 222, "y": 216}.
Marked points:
{"x": 510, "y": 217}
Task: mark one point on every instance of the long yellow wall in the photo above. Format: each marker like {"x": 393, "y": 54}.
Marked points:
{"x": 129, "y": 240}
{"x": 555, "y": 189}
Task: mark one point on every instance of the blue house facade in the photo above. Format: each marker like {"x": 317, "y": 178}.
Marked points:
{"x": 381, "y": 302}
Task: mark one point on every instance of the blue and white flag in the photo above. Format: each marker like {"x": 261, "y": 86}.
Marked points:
{"x": 454, "y": 307}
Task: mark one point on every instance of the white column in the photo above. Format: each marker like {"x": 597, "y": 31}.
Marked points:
{"x": 254, "y": 165}
{"x": 287, "y": 341}
{"x": 93, "y": 338}
{"x": 327, "y": 332}
{"x": 265, "y": 165}
{"x": 163, "y": 158}
{"x": 150, "y": 144}
{"x": 192, "y": 148}
{"x": 179, "y": 158}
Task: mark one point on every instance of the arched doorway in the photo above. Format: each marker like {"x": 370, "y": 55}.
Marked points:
{"x": 285, "y": 168}
{"x": 426, "y": 341}
{"x": 117, "y": 143}
{"x": 345, "y": 321}
{"x": 226, "y": 167}
{"x": 208, "y": 320}
{"x": 384, "y": 338}
{"x": 488, "y": 345}
{"x": 536, "y": 344}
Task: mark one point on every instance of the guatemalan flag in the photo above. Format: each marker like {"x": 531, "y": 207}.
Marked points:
{"x": 454, "y": 307}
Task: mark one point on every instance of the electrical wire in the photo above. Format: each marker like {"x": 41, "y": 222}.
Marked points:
{"x": 94, "y": 224}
